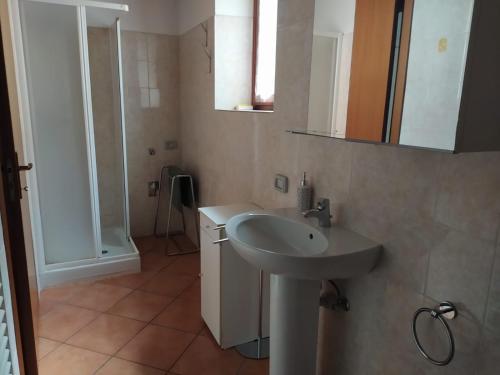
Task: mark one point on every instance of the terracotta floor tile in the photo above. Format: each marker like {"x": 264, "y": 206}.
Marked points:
{"x": 254, "y": 367}
{"x": 45, "y": 305}
{"x": 203, "y": 357}
{"x": 64, "y": 321}
{"x": 194, "y": 290}
{"x": 61, "y": 293}
{"x": 145, "y": 244}
{"x": 131, "y": 281}
{"x": 184, "y": 314}
{"x": 155, "y": 260}
{"x": 205, "y": 331}
{"x": 117, "y": 366}
{"x": 99, "y": 297}
{"x": 45, "y": 346}
{"x": 107, "y": 334}
{"x": 167, "y": 283}
{"x": 183, "y": 242}
{"x": 188, "y": 264}
{"x": 141, "y": 305}
{"x": 68, "y": 360}
{"x": 156, "y": 346}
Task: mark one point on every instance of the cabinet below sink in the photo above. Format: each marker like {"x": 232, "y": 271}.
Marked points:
{"x": 229, "y": 284}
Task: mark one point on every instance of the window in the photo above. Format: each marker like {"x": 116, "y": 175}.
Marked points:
{"x": 264, "y": 54}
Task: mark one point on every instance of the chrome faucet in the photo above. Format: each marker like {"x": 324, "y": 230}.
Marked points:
{"x": 322, "y": 212}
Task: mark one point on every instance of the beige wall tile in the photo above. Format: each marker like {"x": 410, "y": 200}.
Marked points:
{"x": 437, "y": 215}
{"x": 151, "y": 72}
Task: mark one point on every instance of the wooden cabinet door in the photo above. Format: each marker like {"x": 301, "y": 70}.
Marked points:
{"x": 371, "y": 60}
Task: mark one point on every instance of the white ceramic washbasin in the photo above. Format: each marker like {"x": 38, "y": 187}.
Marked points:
{"x": 298, "y": 254}
{"x": 282, "y": 242}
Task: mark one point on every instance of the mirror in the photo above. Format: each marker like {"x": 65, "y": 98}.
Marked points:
{"x": 388, "y": 71}
{"x": 245, "y": 54}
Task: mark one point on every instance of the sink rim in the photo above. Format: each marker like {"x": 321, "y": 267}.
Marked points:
{"x": 233, "y": 222}
{"x": 348, "y": 254}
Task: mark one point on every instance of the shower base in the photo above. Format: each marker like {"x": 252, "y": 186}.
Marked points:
{"x": 122, "y": 257}
{"x": 114, "y": 242}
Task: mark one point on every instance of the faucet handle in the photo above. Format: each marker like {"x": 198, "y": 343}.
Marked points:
{"x": 323, "y": 203}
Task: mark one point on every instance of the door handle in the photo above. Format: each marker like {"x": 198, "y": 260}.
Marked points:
{"x": 23, "y": 168}
{"x": 17, "y": 178}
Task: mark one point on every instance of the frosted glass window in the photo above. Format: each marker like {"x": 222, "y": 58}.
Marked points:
{"x": 265, "y": 68}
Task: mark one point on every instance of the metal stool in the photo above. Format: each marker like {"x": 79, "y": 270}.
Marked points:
{"x": 173, "y": 178}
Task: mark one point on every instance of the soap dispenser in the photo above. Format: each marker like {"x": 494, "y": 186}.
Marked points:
{"x": 304, "y": 195}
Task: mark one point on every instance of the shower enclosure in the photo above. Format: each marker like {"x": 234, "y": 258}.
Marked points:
{"x": 72, "y": 57}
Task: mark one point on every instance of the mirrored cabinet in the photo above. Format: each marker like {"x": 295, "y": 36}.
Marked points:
{"x": 418, "y": 73}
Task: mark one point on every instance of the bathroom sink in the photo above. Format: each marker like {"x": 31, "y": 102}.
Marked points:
{"x": 298, "y": 254}
{"x": 282, "y": 242}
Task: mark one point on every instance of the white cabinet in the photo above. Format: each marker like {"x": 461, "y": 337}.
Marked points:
{"x": 229, "y": 285}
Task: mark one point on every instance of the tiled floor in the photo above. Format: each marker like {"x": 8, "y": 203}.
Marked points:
{"x": 142, "y": 324}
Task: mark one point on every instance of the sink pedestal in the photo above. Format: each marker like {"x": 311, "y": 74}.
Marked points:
{"x": 294, "y": 325}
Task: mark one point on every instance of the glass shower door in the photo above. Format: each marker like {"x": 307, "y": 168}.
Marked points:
{"x": 108, "y": 119}
{"x": 63, "y": 159}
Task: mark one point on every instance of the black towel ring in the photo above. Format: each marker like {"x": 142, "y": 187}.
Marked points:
{"x": 445, "y": 310}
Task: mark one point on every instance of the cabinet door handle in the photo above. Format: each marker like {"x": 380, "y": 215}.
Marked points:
{"x": 219, "y": 227}
{"x": 221, "y": 240}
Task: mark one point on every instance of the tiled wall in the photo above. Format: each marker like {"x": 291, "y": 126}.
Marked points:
{"x": 151, "y": 80}
{"x": 437, "y": 215}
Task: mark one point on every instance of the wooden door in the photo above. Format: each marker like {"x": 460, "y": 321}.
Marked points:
{"x": 371, "y": 63}
{"x": 13, "y": 233}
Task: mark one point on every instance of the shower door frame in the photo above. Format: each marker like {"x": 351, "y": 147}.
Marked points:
{"x": 48, "y": 274}
{"x": 123, "y": 127}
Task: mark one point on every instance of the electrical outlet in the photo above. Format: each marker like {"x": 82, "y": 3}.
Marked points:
{"x": 171, "y": 145}
{"x": 281, "y": 183}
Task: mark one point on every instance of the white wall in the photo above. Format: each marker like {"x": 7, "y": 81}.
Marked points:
{"x": 434, "y": 78}
{"x": 243, "y": 8}
{"x": 334, "y": 15}
{"x": 192, "y": 12}
{"x": 151, "y": 16}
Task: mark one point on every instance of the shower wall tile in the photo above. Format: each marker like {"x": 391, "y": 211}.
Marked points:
{"x": 460, "y": 271}
{"x": 469, "y": 199}
{"x": 397, "y": 185}
{"x": 489, "y": 355}
{"x": 151, "y": 66}
{"x": 217, "y": 145}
